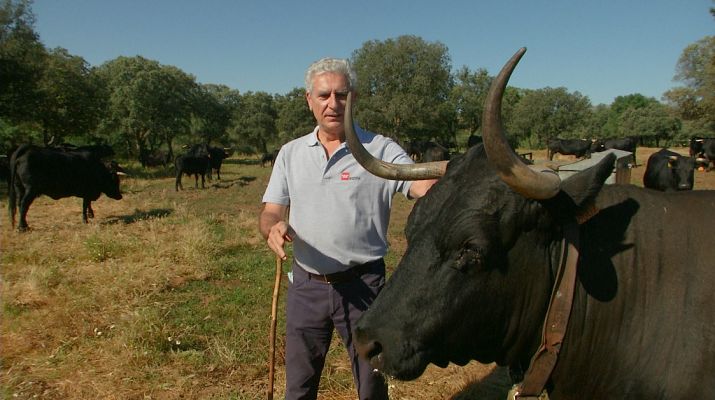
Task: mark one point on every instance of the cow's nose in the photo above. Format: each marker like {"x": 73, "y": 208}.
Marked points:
{"x": 370, "y": 350}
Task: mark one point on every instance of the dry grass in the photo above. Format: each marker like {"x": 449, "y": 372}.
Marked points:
{"x": 165, "y": 295}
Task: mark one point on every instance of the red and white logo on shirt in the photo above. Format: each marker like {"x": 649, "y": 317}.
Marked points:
{"x": 345, "y": 176}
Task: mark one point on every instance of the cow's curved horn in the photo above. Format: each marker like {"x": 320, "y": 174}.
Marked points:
{"x": 531, "y": 182}
{"x": 403, "y": 172}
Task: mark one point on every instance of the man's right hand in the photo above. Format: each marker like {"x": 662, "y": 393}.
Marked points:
{"x": 274, "y": 228}
{"x": 279, "y": 233}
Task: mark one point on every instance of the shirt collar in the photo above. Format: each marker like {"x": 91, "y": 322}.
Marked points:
{"x": 311, "y": 139}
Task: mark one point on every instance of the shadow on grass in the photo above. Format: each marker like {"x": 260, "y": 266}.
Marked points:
{"x": 227, "y": 183}
{"x": 139, "y": 172}
{"x": 494, "y": 386}
{"x": 138, "y": 215}
{"x": 242, "y": 161}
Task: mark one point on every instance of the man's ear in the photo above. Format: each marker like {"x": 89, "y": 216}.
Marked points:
{"x": 307, "y": 100}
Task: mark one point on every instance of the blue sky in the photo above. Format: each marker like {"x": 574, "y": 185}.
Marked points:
{"x": 602, "y": 49}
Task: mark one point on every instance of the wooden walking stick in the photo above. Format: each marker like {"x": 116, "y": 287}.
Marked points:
{"x": 272, "y": 335}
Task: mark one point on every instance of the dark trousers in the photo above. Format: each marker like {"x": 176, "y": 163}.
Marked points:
{"x": 313, "y": 310}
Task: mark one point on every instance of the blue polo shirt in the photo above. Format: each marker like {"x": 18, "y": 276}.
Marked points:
{"x": 339, "y": 211}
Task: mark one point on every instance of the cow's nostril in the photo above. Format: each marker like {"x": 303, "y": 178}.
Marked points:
{"x": 368, "y": 349}
{"x": 375, "y": 349}
{"x": 372, "y": 351}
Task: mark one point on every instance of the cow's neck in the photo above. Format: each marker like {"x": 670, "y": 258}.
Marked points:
{"x": 555, "y": 321}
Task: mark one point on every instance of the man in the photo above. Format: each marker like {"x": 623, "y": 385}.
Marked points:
{"x": 338, "y": 226}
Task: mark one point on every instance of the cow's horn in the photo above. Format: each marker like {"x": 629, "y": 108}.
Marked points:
{"x": 403, "y": 172}
{"x": 529, "y": 181}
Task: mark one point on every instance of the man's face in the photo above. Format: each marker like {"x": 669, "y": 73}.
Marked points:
{"x": 327, "y": 101}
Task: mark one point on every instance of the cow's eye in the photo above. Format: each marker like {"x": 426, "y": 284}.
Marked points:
{"x": 468, "y": 257}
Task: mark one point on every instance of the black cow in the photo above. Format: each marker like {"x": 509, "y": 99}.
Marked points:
{"x": 192, "y": 165}
{"x": 155, "y": 158}
{"x": 434, "y": 152}
{"x": 484, "y": 247}
{"x": 414, "y": 149}
{"x": 58, "y": 173}
{"x": 577, "y": 147}
{"x": 669, "y": 171}
{"x": 269, "y": 158}
{"x": 216, "y": 157}
{"x": 473, "y": 140}
{"x": 625, "y": 144}
{"x": 703, "y": 148}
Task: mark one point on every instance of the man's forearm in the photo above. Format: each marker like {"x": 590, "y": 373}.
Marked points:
{"x": 266, "y": 221}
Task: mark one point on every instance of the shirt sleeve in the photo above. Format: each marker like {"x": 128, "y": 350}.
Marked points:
{"x": 277, "y": 190}
{"x": 395, "y": 154}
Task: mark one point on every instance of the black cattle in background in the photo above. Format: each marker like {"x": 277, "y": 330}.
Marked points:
{"x": 216, "y": 157}
{"x": 59, "y": 173}
{"x": 197, "y": 150}
{"x": 576, "y": 147}
{"x": 473, "y": 140}
{"x": 414, "y": 149}
{"x": 269, "y": 158}
{"x": 192, "y": 165}
{"x": 434, "y": 152}
{"x": 156, "y": 158}
{"x": 701, "y": 147}
{"x": 426, "y": 150}
{"x": 626, "y": 144}
{"x": 669, "y": 171}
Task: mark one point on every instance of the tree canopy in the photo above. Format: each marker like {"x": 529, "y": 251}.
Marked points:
{"x": 694, "y": 102}
{"x": 406, "y": 89}
{"x": 148, "y": 104}
{"x": 402, "y": 84}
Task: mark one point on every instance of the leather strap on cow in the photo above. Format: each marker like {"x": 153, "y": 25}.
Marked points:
{"x": 557, "y": 318}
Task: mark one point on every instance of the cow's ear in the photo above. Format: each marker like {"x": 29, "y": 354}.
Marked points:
{"x": 578, "y": 191}
{"x": 584, "y": 186}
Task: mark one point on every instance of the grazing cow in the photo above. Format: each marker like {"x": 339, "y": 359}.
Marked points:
{"x": 703, "y": 148}
{"x": 577, "y": 147}
{"x": 626, "y": 144}
{"x": 669, "y": 171}
{"x": 495, "y": 244}
{"x": 35, "y": 171}
{"x": 192, "y": 165}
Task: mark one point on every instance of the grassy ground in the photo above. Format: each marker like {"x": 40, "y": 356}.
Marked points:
{"x": 164, "y": 295}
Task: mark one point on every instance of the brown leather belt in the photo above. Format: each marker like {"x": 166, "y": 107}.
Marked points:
{"x": 344, "y": 276}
